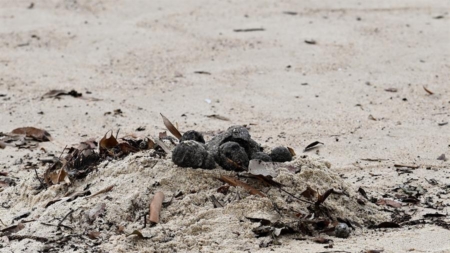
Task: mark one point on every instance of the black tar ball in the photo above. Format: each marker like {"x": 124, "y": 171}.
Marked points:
{"x": 192, "y": 135}
{"x": 261, "y": 156}
{"x": 232, "y": 156}
{"x": 281, "y": 154}
{"x": 192, "y": 154}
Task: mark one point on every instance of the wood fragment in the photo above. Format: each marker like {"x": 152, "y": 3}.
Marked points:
{"x": 428, "y": 91}
{"x": 155, "y": 207}
{"x": 107, "y": 189}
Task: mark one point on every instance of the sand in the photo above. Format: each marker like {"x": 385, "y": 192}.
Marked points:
{"x": 142, "y": 58}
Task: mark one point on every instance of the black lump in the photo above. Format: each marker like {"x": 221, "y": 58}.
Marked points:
{"x": 281, "y": 154}
{"x": 232, "y": 156}
{"x": 192, "y": 154}
{"x": 193, "y": 135}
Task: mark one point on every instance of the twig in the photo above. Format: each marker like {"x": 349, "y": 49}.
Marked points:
{"x": 297, "y": 198}
{"x": 107, "y": 189}
{"x": 53, "y": 225}
{"x": 21, "y": 237}
{"x": 155, "y": 207}
{"x": 65, "y": 217}
{"x": 40, "y": 181}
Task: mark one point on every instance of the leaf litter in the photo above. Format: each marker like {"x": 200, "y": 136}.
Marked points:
{"x": 264, "y": 189}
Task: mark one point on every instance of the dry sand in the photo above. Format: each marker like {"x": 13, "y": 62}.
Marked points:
{"x": 141, "y": 57}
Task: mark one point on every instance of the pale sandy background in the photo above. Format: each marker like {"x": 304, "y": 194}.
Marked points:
{"x": 140, "y": 56}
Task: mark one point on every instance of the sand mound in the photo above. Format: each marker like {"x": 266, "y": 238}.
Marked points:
{"x": 189, "y": 220}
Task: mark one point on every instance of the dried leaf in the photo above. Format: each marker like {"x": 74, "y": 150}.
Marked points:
{"x": 223, "y": 189}
{"x": 311, "y": 42}
{"x": 391, "y": 90}
{"x": 389, "y": 202}
{"x": 172, "y": 129}
{"x": 428, "y": 91}
{"x": 321, "y": 240}
{"x": 406, "y": 166}
{"x": 291, "y": 150}
{"x": 93, "y": 235}
{"x": 309, "y": 193}
{"x": 163, "y": 146}
{"x": 216, "y": 116}
{"x": 312, "y": 146}
{"x": 127, "y": 148}
{"x": 59, "y": 93}
{"x": 434, "y": 215}
{"x": 236, "y": 182}
{"x": 138, "y": 235}
{"x": 323, "y": 197}
{"x": 35, "y": 133}
{"x": 107, "y": 143}
{"x": 363, "y": 193}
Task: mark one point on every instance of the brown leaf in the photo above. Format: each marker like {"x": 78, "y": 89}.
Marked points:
{"x": 138, "y": 235}
{"x": 389, "y": 202}
{"x": 223, "y": 189}
{"x": 321, "y": 240}
{"x": 391, "y": 90}
{"x": 127, "y": 148}
{"x": 35, "y": 133}
{"x": 172, "y": 129}
{"x": 291, "y": 150}
{"x": 323, "y": 197}
{"x": 107, "y": 143}
{"x": 94, "y": 234}
{"x": 236, "y": 182}
{"x": 309, "y": 193}
{"x": 428, "y": 91}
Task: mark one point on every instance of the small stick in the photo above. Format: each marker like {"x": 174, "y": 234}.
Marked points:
{"x": 155, "y": 207}
{"x": 107, "y": 189}
{"x": 21, "y": 237}
{"x": 40, "y": 181}
{"x": 407, "y": 166}
{"x": 65, "y": 217}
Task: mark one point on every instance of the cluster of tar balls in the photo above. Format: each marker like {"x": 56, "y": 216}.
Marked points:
{"x": 232, "y": 150}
